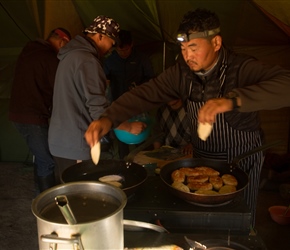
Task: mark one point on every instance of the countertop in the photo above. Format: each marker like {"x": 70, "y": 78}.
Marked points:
{"x": 148, "y": 239}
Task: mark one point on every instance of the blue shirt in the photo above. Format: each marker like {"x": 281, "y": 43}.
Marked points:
{"x": 123, "y": 73}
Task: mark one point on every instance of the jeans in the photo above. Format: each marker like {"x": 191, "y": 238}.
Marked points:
{"x": 36, "y": 138}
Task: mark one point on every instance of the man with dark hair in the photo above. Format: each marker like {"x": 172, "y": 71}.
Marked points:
{"x": 219, "y": 87}
{"x": 79, "y": 92}
{"x": 31, "y": 99}
{"x": 125, "y": 69}
{"x": 125, "y": 39}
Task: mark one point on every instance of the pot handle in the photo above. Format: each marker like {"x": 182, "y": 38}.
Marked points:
{"x": 141, "y": 224}
{"x": 53, "y": 239}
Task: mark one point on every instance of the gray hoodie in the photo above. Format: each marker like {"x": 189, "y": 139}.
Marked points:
{"x": 78, "y": 98}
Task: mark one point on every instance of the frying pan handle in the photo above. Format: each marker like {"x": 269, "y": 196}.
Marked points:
{"x": 237, "y": 159}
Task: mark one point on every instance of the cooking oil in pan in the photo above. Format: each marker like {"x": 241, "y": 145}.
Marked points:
{"x": 85, "y": 207}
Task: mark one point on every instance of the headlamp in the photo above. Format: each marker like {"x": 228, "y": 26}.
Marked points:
{"x": 183, "y": 37}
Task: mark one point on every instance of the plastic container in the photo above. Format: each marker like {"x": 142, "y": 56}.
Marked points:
{"x": 277, "y": 214}
{"x": 130, "y": 138}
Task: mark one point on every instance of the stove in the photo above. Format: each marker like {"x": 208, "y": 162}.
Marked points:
{"x": 153, "y": 240}
{"x": 154, "y": 203}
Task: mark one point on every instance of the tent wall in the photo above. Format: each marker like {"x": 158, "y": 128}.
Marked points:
{"x": 256, "y": 27}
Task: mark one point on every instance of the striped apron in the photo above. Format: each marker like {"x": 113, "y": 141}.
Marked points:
{"x": 225, "y": 143}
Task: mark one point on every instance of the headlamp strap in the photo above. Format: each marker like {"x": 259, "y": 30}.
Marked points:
{"x": 202, "y": 34}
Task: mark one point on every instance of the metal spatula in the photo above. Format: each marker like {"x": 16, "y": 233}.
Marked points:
{"x": 194, "y": 244}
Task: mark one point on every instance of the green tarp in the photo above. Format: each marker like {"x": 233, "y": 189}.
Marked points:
{"x": 258, "y": 27}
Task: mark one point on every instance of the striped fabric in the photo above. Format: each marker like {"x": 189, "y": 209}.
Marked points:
{"x": 225, "y": 143}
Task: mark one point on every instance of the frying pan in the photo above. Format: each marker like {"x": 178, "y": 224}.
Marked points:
{"x": 222, "y": 166}
{"x": 133, "y": 174}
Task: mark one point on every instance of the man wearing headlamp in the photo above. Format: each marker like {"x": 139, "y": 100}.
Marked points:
{"x": 218, "y": 87}
{"x": 183, "y": 37}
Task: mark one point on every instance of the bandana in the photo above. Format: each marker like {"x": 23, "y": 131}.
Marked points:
{"x": 106, "y": 26}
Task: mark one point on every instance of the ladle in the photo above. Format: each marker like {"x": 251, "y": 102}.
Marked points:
{"x": 63, "y": 204}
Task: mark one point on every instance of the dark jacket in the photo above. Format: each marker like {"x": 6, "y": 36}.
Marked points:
{"x": 32, "y": 89}
{"x": 260, "y": 87}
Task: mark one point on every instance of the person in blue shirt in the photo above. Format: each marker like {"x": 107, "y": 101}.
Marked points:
{"x": 125, "y": 69}
{"x": 172, "y": 120}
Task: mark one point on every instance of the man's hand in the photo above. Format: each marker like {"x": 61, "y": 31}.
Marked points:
{"x": 133, "y": 127}
{"x": 212, "y": 107}
{"x": 97, "y": 130}
{"x": 187, "y": 149}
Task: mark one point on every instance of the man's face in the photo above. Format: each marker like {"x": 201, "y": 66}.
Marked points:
{"x": 105, "y": 45}
{"x": 200, "y": 54}
{"x": 125, "y": 51}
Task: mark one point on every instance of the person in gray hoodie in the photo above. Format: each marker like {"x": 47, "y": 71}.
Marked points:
{"x": 79, "y": 92}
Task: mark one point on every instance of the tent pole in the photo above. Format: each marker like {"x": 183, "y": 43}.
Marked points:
{"x": 164, "y": 51}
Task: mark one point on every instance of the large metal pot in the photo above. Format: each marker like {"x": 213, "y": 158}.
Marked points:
{"x": 98, "y": 209}
{"x": 222, "y": 166}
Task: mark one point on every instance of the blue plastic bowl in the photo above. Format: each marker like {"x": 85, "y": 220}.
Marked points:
{"x": 130, "y": 138}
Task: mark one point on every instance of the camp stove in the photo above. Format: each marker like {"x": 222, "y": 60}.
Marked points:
{"x": 154, "y": 203}
{"x": 213, "y": 226}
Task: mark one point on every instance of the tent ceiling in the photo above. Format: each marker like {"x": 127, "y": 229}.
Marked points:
{"x": 279, "y": 9}
{"x": 243, "y": 22}
{"x": 257, "y": 27}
